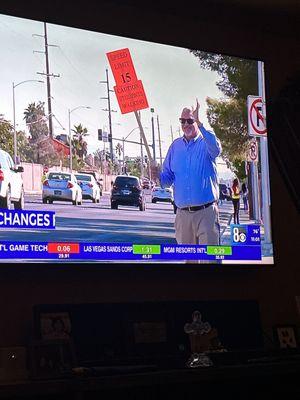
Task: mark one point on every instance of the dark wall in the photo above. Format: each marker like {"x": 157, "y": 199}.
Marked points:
{"x": 266, "y": 35}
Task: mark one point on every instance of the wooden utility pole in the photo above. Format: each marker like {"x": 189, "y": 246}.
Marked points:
{"x": 47, "y": 74}
{"x": 143, "y": 136}
{"x": 109, "y": 115}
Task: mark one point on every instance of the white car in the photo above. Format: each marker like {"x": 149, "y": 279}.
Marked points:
{"x": 160, "y": 194}
{"x": 11, "y": 183}
{"x": 89, "y": 186}
{"x": 61, "y": 186}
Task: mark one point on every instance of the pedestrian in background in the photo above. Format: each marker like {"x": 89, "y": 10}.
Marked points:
{"x": 245, "y": 193}
{"x": 44, "y": 177}
{"x": 235, "y": 196}
{"x": 190, "y": 165}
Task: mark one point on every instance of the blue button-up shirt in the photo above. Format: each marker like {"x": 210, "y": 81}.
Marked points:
{"x": 191, "y": 168}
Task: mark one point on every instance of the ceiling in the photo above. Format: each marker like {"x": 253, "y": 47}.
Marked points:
{"x": 277, "y": 15}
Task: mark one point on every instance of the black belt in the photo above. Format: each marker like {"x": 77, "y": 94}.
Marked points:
{"x": 197, "y": 208}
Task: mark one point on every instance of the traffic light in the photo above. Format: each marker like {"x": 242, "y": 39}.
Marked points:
{"x": 146, "y": 159}
{"x": 99, "y": 134}
{"x": 109, "y": 137}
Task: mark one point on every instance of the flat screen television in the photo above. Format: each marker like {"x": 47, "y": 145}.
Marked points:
{"x": 108, "y": 143}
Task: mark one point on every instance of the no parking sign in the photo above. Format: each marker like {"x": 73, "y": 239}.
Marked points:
{"x": 256, "y": 116}
{"x": 252, "y": 155}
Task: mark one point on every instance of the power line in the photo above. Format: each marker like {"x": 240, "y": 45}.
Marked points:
{"x": 75, "y": 68}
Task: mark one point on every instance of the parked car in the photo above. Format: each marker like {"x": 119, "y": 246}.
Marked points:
{"x": 162, "y": 194}
{"x": 61, "y": 186}
{"x": 89, "y": 186}
{"x": 11, "y": 183}
{"x": 97, "y": 178}
{"x": 146, "y": 184}
{"x": 127, "y": 191}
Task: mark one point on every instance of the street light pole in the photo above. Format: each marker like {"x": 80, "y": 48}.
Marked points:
{"x": 15, "y": 133}
{"x": 14, "y": 114}
{"x": 153, "y": 135}
{"x": 70, "y": 140}
{"x": 70, "y": 136}
{"x": 159, "y": 141}
{"x": 123, "y": 148}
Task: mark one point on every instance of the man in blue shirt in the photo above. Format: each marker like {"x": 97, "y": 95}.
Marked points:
{"x": 190, "y": 166}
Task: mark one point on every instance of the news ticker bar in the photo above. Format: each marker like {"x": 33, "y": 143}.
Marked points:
{"x": 125, "y": 251}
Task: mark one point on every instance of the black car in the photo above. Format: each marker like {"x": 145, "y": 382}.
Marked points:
{"x": 127, "y": 191}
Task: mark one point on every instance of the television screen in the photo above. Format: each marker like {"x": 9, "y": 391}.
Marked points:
{"x": 117, "y": 150}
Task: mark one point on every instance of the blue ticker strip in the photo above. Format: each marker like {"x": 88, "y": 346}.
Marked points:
{"x": 124, "y": 251}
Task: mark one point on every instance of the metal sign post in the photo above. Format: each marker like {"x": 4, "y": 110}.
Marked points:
{"x": 253, "y": 124}
{"x": 265, "y": 180}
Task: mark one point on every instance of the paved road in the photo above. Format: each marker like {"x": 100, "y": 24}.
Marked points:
{"x": 91, "y": 222}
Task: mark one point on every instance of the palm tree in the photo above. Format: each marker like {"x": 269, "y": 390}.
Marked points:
{"x": 78, "y": 142}
{"x": 34, "y": 116}
{"x": 119, "y": 149}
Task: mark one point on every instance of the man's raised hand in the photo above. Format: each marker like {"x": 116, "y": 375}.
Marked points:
{"x": 196, "y": 112}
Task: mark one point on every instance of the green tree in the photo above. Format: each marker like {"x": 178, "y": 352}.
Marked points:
{"x": 79, "y": 146}
{"x": 36, "y": 120}
{"x": 6, "y": 135}
{"x": 119, "y": 150}
{"x": 238, "y": 75}
{"x": 78, "y": 142}
{"x": 228, "y": 117}
{"x": 232, "y": 131}
{"x": 24, "y": 148}
{"x": 42, "y": 147}
{"x": 133, "y": 166}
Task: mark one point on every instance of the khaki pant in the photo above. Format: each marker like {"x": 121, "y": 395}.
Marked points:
{"x": 198, "y": 227}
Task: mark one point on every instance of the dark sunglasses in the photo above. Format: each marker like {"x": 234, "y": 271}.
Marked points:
{"x": 190, "y": 121}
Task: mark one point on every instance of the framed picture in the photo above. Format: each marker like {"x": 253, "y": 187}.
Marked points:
{"x": 286, "y": 336}
{"x": 51, "y": 358}
{"x": 53, "y": 325}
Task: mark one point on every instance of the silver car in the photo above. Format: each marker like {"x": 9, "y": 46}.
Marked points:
{"x": 61, "y": 186}
{"x": 11, "y": 183}
{"x": 89, "y": 186}
{"x": 160, "y": 194}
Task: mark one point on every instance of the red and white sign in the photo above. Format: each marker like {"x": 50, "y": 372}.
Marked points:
{"x": 253, "y": 151}
{"x": 129, "y": 90}
{"x": 256, "y": 116}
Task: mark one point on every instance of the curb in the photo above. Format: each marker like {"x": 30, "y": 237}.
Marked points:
{"x": 33, "y": 193}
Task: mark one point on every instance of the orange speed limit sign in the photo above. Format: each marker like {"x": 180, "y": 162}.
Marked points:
{"x": 129, "y": 89}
